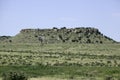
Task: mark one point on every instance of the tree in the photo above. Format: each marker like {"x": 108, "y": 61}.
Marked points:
{"x": 41, "y": 39}
{"x": 63, "y": 28}
{"x": 88, "y": 41}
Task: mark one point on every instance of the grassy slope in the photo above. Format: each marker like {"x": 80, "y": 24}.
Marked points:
{"x": 78, "y": 35}
{"x": 40, "y": 65}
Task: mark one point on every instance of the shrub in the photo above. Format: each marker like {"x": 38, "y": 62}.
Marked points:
{"x": 109, "y": 78}
{"x": 14, "y": 76}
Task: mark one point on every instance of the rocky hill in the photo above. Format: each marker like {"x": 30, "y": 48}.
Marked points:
{"x": 63, "y": 35}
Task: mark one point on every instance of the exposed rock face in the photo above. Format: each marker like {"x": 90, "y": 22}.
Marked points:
{"x": 63, "y": 35}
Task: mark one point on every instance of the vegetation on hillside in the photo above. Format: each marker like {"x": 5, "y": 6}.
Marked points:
{"x": 5, "y": 39}
{"x": 62, "y": 35}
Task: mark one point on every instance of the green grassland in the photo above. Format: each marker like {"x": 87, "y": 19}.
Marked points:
{"x": 62, "y": 60}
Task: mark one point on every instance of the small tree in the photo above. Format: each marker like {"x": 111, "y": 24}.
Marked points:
{"x": 88, "y": 41}
{"x": 63, "y": 28}
{"x": 41, "y": 39}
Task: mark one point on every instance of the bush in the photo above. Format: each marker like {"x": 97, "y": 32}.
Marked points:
{"x": 109, "y": 78}
{"x": 14, "y": 76}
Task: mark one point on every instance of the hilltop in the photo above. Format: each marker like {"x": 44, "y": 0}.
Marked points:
{"x": 62, "y": 35}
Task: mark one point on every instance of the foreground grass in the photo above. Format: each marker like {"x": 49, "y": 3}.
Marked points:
{"x": 62, "y": 61}
{"x": 64, "y": 71}
{"x": 46, "y": 78}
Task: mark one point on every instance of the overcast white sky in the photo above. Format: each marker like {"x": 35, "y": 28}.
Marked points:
{"x": 102, "y": 14}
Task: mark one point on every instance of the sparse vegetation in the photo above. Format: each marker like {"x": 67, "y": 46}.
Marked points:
{"x": 80, "y": 54}
{"x": 65, "y": 60}
{"x": 14, "y": 76}
{"x": 63, "y": 35}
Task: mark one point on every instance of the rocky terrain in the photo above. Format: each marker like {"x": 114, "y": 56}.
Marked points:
{"x": 62, "y": 35}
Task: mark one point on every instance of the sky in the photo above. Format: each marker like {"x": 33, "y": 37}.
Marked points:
{"x": 21, "y": 14}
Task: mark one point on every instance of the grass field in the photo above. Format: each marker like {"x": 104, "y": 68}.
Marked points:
{"x": 62, "y": 61}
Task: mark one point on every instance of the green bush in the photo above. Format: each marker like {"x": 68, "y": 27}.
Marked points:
{"x": 14, "y": 76}
{"x": 109, "y": 78}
